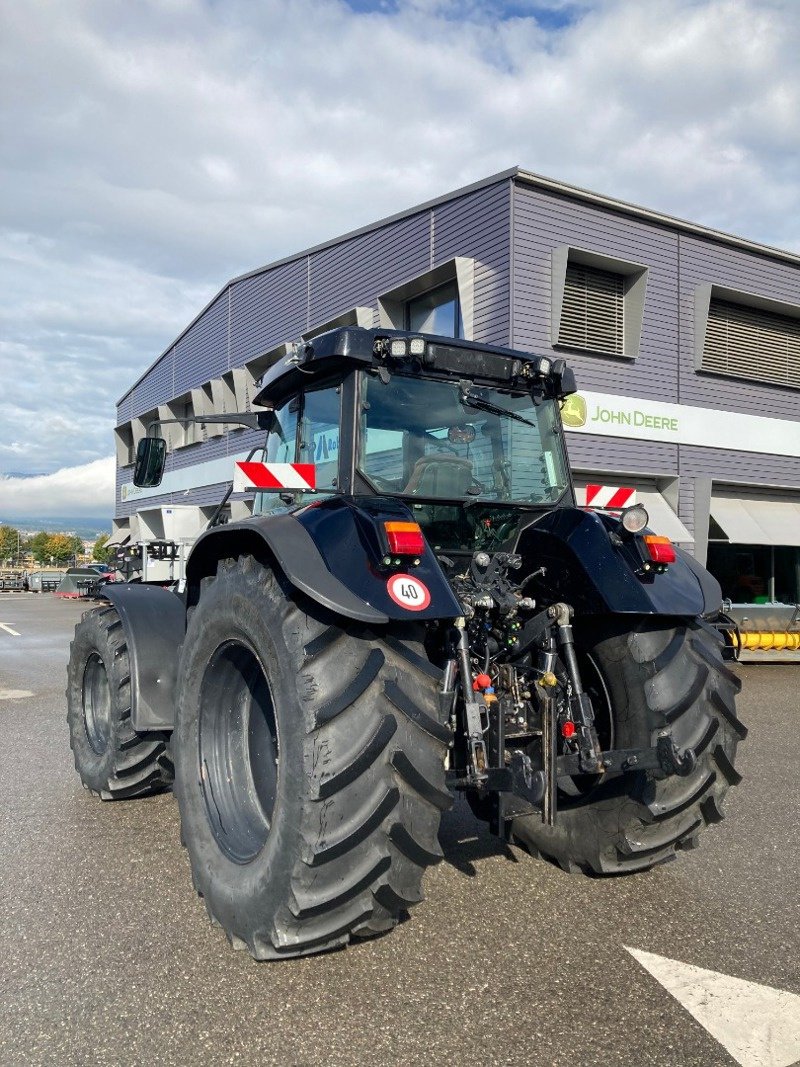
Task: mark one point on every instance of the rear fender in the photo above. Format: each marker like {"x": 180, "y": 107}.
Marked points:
{"x": 332, "y": 552}
{"x": 154, "y": 624}
{"x": 587, "y": 570}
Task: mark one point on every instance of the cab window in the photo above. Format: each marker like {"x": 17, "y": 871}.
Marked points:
{"x": 319, "y": 435}
{"x": 306, "y": 431}
{"x": 282, "y": 440}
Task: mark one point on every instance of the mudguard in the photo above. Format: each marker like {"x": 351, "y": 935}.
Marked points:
{"x": 585, "y": 568}
{"x": 332, "y": 551}
{"x": 154, "y": 623}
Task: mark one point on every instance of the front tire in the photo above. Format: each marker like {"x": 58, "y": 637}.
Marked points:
{"x": 113, "y": 760}
{"x": 662, "y": 675}
{"x": 309, "y": 766}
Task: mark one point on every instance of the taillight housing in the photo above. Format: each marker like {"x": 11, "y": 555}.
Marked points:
{"x": 404, "y": 538}
{"x": 660, "y": 549}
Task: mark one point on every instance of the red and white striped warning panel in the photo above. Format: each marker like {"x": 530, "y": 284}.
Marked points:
{"x": 605, "y": 496}
{"x": 274, "y": 476}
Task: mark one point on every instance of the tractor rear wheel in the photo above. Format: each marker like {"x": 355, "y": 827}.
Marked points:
{"x": 114, "y": 761}
{"x": 309, "y": 766}
{"x": 661, "y": 675}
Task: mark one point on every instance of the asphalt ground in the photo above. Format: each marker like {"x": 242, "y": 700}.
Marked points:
{"x": 107, "y": 957}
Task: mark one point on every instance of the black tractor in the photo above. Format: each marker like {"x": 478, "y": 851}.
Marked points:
{"x": 416, "y": 606}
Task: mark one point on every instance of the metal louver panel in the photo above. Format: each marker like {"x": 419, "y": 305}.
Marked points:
{"x": 592, "y": 312}
{"x": 749, "y": 343}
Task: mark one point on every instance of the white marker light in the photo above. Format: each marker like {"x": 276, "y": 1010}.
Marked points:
{"x": 634, "y": 519}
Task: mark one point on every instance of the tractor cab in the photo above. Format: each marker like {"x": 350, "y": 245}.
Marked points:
{"x": 468, "y": 437}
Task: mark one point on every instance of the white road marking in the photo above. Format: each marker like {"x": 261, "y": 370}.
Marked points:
{"x": 8, "y": 629}
{"x": 758, "y": 1025}
{"x": 14, "y": 694}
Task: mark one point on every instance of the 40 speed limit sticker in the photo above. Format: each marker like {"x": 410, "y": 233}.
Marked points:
{"x": 410, "y": 593}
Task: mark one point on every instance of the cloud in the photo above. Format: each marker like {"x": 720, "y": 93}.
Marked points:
{"x": 71, "y": 492}
{"x": 76, "y": 329}
{"x": 175, "y": 143}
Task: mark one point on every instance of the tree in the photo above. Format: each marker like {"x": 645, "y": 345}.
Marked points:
{"x": 9, "y": 540}
{"x": 61, "y": 547}
{"x": 58, "y": 548}
{"x": 100, "y": 551}
{"x": 38, "y": 546}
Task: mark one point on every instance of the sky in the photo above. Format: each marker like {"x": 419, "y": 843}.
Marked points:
{"x": 150, "y": 151}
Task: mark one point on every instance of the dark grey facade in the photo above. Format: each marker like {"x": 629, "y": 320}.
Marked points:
{"x": 674, "y": 431}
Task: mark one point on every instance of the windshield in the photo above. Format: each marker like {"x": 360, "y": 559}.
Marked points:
{"x": 447, "y": 440}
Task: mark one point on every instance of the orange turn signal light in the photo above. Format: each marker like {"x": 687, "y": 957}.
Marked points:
{"x": 661, "y": 549}
{"x": 404, "y": 538}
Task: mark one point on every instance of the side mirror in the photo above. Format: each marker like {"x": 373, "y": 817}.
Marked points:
{"x": 151, "y": 455}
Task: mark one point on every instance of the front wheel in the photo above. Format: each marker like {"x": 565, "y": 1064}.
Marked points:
{"x": 114, "y": 761}
{"x": 309, "y": 766}
{"x": 661, "y": 675}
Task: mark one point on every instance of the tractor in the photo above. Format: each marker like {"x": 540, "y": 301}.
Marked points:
{"x": 416, "y": 608}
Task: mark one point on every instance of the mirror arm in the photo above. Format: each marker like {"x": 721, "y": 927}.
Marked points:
{"x": 255, "y": 420}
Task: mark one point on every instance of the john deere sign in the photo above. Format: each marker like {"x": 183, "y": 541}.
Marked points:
{"x": 648, "y": 420}
{"x": 580, "y": 411}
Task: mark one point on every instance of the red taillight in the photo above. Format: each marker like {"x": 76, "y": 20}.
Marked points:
{"x": 404, "y": 538}
{"x": 568, "y": 729}
{"x": 661, "y": 549}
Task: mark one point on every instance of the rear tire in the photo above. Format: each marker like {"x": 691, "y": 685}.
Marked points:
{"x": 662, "y": 675}
{"x": 114, "y": 761}
{"x": 309, "y": 766}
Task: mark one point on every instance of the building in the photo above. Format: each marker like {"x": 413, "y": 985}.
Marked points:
{"x": 685, "y": 342}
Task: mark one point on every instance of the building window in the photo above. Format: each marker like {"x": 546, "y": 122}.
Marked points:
{"x": 750, "y": 342}
{"x": 441, "y": 301}
{"x": 592, "y": 315}
{"x": 437, "y": 311}
{"x": 597, "y": 302}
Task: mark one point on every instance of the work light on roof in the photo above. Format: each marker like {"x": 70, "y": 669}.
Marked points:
{"x": 543, "y": 366}
{"x": 403, "y": 347}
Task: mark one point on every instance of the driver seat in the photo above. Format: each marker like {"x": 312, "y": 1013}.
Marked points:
{"x": 441, "y": 475}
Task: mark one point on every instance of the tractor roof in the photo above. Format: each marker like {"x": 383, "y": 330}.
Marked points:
{"x": 328, "y": 354}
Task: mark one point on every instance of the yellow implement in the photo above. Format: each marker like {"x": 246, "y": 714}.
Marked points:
{"x": 767, "y": 640}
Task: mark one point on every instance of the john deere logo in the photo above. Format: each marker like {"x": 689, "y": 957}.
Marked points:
{"x": 573, "y": 412}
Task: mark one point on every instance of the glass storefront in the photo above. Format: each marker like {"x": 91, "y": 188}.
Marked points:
{"x": 756, "y": 574}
